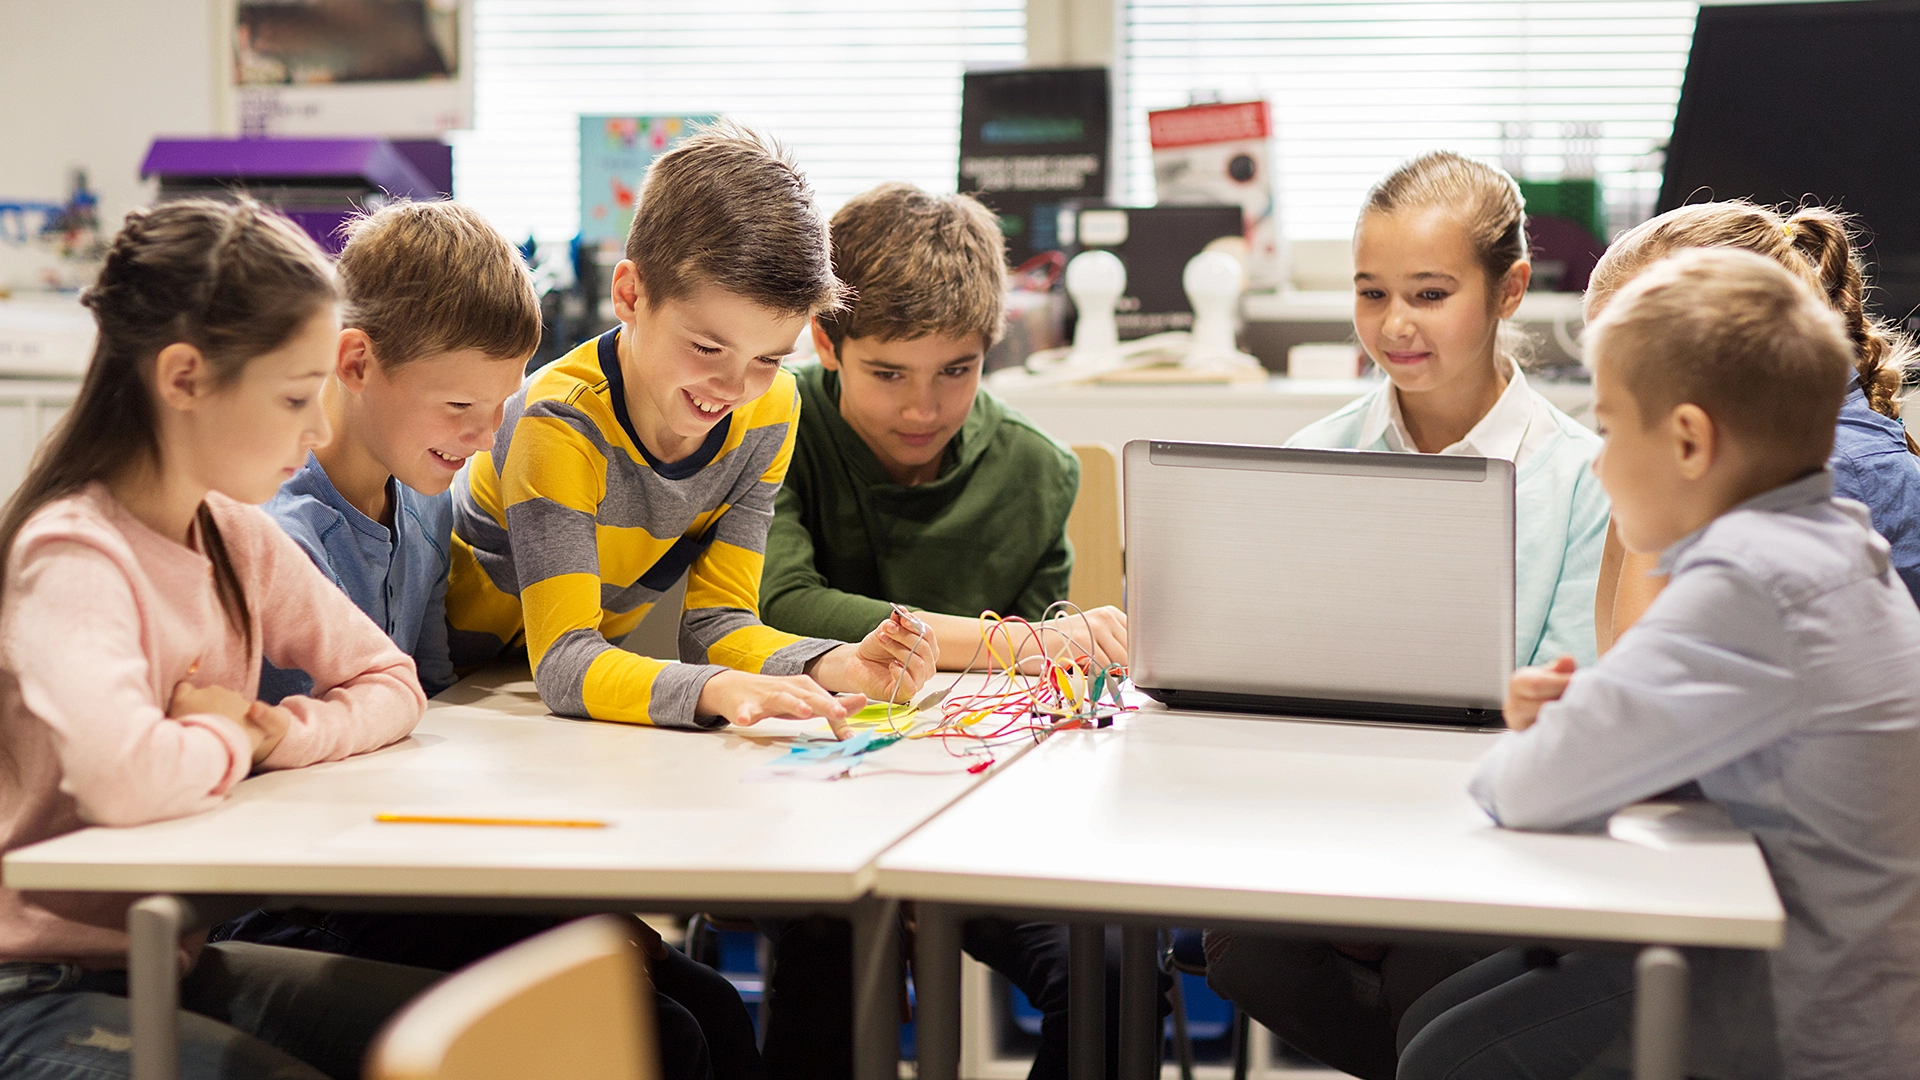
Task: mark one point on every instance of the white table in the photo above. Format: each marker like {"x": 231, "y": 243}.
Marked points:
{"x": 689, "y": 827}
{"x": 1207, "y": 819}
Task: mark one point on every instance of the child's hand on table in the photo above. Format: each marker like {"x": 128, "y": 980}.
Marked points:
{"x": 264, "y": 724}
{"x": 1107, "y": 644}
{"x": 745, "y": 698}
{"x": 889, "y": 664}
{"x": 1531, "y": 687}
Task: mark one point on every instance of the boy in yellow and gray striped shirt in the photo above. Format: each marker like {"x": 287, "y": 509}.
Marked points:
{"x": 656, "y": 450}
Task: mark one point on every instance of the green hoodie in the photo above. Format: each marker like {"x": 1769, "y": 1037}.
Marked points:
{"x": 989, "y": 533}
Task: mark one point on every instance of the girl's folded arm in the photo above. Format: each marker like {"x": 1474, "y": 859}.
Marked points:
{"x": 73, "y": 638}
{"x": 366, "y": 693}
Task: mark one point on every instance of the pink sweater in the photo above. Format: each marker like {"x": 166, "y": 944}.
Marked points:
{"x": 102, "y": 617}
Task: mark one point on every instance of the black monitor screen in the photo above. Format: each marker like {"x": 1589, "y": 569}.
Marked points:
{"x": 1785, "y": 103}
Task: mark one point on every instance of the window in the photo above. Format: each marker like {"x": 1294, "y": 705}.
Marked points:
{"x": 1356, "y": 86}
{"x": 861, "y": 90}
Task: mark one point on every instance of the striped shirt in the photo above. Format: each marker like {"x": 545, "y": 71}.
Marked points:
{"x": 569, "y": 530}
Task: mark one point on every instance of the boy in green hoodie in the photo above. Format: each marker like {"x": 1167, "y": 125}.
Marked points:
{"x": 909, "y": 482}
{"x": 912, "y": 484}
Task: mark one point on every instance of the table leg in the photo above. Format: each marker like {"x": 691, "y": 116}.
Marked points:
{"x": 154, "y": 926}
{"x": 876, "y": 989}
{"x": 1139, "y": 1016}
{"x": 936, "y": 991}
{"x": 1087, "y": 1001}
{"x": 1660, "y": 1014}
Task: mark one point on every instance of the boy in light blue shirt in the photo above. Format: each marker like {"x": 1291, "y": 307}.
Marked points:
{"x": 1776, "y": 671}
{"x": 439, "y": 321}
{"x": 395, "y": 573}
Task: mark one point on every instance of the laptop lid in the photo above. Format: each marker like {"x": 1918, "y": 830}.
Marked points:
{"x": 1336, "y": 583}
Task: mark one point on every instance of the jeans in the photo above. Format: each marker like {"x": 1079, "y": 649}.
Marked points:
{"x": 704, "y": 1030}
{"x": 1516, "y": 1016}
{"x": 810, "y": 1024}
{"x": 1338, "y": 1010}
{"x": 248, "y": 1012}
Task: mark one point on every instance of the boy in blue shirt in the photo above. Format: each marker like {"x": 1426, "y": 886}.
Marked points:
{"x": 1776, "y": 671}
{"x": 440, "y": 319}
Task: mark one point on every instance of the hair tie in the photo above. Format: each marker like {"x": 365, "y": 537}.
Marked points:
{"x": 1786, "y": 229}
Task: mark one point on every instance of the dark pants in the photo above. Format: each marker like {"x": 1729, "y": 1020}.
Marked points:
{"x": 1507, "y": 1019}
{"x": 704, "y": 1030}
{"x": 1337, "y": 1010}
{"x": 248, "y": 1012}
{"x": 810, "y": 1027}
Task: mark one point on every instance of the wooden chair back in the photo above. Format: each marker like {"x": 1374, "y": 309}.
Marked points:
{"x": 573, "y": 1003}
{"x": 1099, "y": 566}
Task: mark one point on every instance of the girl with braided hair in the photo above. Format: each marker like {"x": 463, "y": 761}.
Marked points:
{"x": 1873, "y": 458}
{"x": 142, "y": 589}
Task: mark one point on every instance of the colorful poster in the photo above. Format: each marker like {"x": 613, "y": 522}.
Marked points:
{"x": 614, "y": 154}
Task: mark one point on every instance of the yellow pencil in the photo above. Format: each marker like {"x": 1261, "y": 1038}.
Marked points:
{"x": 435, "y": 819}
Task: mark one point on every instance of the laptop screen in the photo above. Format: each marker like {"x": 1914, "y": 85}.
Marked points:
{"x": 1372, "y": 583}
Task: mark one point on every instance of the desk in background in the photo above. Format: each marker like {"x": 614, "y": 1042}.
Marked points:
{"x": 46, "y": 341}
{"x": 1263, "y": 414}
{"x": 1277, "y": 321}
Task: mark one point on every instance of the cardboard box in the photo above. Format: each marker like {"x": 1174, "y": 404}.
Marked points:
{"x": 1223, "y": 154}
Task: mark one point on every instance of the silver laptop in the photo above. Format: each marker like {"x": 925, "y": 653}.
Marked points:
{"x": 1326, "y": 583}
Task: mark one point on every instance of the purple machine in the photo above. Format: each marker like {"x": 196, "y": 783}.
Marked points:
{"x": 319, "y": 183}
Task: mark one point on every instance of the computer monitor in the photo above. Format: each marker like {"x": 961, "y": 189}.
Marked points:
{"x": 1814, "y": 101}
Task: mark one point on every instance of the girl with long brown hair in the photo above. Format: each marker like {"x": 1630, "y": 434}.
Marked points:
{"x": 141, "y": 592}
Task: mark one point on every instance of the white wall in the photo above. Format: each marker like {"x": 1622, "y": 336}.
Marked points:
{"x": 90, "y": 83}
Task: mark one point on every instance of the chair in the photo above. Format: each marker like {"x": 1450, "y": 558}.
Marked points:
{"x": 571, "y": 1004}
{"x": 1099, "y": 568}
{"x": 703, "y": 943}
{"x": 1182, "y": 955}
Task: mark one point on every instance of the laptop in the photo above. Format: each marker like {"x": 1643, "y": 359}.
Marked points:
{"x": 1340, "y": 584}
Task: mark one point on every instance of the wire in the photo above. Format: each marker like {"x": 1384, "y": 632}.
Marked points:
{"x": 1014, "y": 705}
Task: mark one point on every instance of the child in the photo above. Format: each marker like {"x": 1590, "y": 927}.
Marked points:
{"x": 440, "y": 319}
{"x": 1872, "y": 460}
{"x": 141, "y": 594}
{"x": 903, "y": 461}
{"x": 441, "y": 316}
{"x": 1440, "y": 254}
{"x": 1775, "y": 671}
{"x": 902, "y": 465}
{"x": 655, "y": 450}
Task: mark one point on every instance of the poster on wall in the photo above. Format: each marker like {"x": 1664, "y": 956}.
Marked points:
{"x": 1031, "y": 139}
{"x": 392, "y": 68}
{"x": 614, "y": 154}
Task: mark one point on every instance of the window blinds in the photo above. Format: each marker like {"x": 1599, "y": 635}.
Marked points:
{"x": 861, "y": 90}
{"x": 1546, "y": 87}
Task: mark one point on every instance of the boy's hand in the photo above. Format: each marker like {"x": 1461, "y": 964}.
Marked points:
{"x": 891, "y": 663}
{"x": 1069, "y": 633}
{"x": 746, "y": 699}
{"x": 266, "y": 725}
{"x": 1531, "y": 687}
